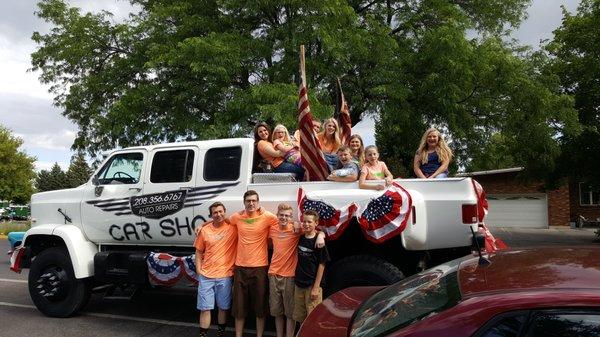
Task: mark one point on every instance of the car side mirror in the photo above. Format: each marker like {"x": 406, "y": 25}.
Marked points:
{"x": 95, "y": 180}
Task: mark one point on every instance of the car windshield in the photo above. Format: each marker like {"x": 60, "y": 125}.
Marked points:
{"x": 407, "y": 301}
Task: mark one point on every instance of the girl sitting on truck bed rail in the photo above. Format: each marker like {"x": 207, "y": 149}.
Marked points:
{"x": 374, "y": 169}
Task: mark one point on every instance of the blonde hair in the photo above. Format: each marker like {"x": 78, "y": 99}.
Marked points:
{"x": 361, "y": 149}
{"x": 442, "y": 149}
{"x": 336, "y": 135}
{"x": 281, "y": 127}
{"x": 284, "y": 207}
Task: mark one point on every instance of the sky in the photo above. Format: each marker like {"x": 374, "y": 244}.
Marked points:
{"x": 26, "y": 106}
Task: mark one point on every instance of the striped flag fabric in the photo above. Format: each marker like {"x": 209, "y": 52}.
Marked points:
{"x": 342, "y": 115}
{"x": 332, "y": 221}
{"x": 386, "y": 216}
{"x": 312, "y": 156}
{"x": 492, "y": 244}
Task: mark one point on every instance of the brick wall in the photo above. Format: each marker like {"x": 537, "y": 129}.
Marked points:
{"x": 559, "y": 205}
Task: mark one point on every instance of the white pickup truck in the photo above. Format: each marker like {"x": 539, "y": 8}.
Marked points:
{"x": 150, "y": 198}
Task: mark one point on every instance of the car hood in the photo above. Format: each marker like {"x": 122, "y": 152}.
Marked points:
{"x": 332, "y": 317}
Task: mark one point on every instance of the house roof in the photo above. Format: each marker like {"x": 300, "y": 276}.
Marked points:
{"x": 481, "y": 173}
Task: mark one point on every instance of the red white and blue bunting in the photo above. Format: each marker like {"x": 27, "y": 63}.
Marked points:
{"x": 332, "y": 221}
{"x": 492, "y": 244}
{"x": 382, "y": 218}
{"x": 386, "y": 215}
{"x": 166, "y": 269}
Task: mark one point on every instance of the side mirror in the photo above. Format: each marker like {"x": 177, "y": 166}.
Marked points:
{"x": 95, "y": 180}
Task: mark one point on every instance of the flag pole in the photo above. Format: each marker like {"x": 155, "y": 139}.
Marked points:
{"x": 302, "y": 66}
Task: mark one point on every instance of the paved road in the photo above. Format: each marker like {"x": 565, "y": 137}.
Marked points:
{"x": 151, "y": 313}
{"x": 172, "y": 313}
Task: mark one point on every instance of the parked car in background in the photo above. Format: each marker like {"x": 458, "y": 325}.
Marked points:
{"x": 15, "y": 239}
{"x": 15, "y": 212}
{"x": 542, "y": 292}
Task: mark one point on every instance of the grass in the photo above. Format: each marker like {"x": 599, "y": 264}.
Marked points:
{"x": 14, "y": 226}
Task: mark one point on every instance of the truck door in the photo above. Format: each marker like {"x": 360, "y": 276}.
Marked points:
{"x": 106, "y": 207}
{"x": 165, "y": 206}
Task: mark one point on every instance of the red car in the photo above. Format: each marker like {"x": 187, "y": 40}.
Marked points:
{"x": 542, "y": 292}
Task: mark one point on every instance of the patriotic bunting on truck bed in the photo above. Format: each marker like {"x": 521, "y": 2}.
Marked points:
{"x": 332, "y": 221}
{"x": 381, "y": 219}
{"x": 386, "y": 215}
{"x": 492, "y": 244}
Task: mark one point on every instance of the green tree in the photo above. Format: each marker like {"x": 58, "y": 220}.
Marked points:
{"x": 55, "y": 179}
{"x": 208, "y": 69}
{"x": 79, "y": 171}
{"x": 576, "y": 61}
{"x": 16, "y": 169}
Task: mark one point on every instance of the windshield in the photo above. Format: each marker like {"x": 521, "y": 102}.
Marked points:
{"x": 407, "y": 301}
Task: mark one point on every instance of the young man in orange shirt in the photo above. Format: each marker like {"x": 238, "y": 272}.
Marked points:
{"x": 250, "y": 273}
{"x": 285, "y": 238}
{"x": 215, "y": 255}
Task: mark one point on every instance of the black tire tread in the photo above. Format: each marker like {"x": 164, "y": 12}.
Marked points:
{"x": 340, "y": 275}
{"x": 78, "y": 295}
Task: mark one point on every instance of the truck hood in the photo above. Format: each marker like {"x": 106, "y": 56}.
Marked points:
{"x": 45, "y": 205}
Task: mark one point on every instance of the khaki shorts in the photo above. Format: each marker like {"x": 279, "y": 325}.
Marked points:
{"x": 281, "y": 296}
{"x": 303, "y": 304}
{"x": 250, "y": 291}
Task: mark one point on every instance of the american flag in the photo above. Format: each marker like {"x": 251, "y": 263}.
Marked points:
{"x": 386, "y": 216}
{"x": 310, "y": 150}
{"x": 342, "y": 114}
{"x": 331, "y": 220}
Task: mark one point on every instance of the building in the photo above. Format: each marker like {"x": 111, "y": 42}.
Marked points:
{"x": 513, "y": 203}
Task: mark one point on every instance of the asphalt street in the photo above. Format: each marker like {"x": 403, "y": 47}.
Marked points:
{"x": 172, "y": 312}
{"x": 149, "y": 313}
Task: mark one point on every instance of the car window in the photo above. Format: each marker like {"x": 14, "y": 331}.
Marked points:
{"x": 407, "y": 301}
{"x": 172, "y": 166}
{"x": 507, "y": 326}
{"x": 564, "y": 324}
{"x": 122, "y": 168}
{"x": 222, "y": 164}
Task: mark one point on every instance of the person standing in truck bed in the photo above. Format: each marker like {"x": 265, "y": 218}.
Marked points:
{"x": 215, "y": 254}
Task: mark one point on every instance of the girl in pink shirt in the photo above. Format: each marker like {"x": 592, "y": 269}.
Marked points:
{"x": 373, "y": 169}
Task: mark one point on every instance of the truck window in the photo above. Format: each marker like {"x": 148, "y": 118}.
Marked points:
{"x": 172, "y": 166}
{"x": 122, "y": 168}
{"x": 222, "y": 164}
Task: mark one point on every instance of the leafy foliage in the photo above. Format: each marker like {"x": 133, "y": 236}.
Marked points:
{"x": 576, "y": 61}
{"x": 181, "y": 70}
{"x": 16, "y": 169}
{"x": 56, "y": 179}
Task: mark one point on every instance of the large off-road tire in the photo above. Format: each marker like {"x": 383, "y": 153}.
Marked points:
{"x": 52, "y": 284}
{"x": 361, "y": 270}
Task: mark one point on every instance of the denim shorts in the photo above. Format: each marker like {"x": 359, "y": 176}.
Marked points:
{"x": 211, "y": 288}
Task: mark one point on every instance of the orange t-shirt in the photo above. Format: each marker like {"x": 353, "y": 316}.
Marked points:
{"x": 285, "y": 243}
{"x": 218, "y": 245}
{"x": 327, "y": 147}
{"x": 374, "y": 172}
{"x": 262, "y": 146}
{"x": 252, "y": 237}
